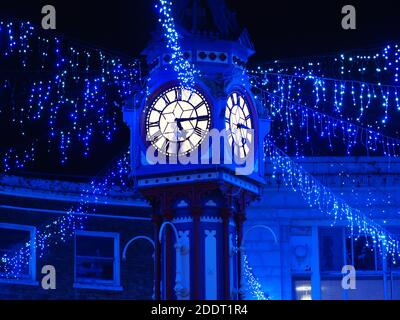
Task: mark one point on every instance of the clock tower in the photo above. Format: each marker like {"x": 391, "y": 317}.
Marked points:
{"x": 197, "y": 153}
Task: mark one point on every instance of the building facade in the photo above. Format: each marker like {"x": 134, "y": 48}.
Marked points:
{"x": 307, "y": 259}
{"x": 295, "y": 252}
{"x": 100, "y": 262}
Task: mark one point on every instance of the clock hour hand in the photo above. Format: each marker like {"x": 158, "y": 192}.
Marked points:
{"x": 242, "y": 126}
{"x": 179, "y": 124}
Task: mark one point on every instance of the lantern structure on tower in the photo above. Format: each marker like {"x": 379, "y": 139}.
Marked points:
{"x": 197, "y": 153}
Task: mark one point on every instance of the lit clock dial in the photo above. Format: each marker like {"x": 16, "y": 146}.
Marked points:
{"x": 239, "y": 124}
{"x": 178, "y": 121}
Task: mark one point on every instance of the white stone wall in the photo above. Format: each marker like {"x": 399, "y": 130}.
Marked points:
{"x": 282, "y": 210}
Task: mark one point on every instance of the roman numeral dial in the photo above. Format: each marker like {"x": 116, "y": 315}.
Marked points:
{"x": 239, "y": 124}
{"x": 177, "y": 121}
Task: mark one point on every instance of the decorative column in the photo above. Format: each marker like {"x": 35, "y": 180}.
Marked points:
{"x": 200, "y": 225}
{"x": 226, "y": 219}
{"x": 157, "y": 220}
{"x": 210, "y": 265}
{"x": 240, "y": 218}
{"x": 182, "y": 287}
{"x": 315, "y": 275}
{"x": 196, "y": 214}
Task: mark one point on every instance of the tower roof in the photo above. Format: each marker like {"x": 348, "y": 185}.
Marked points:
{"x": 207, "y": 16}
{"x": 199, "y": 24}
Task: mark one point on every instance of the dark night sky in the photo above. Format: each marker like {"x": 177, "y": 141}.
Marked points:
{"x": 280, "y": 29}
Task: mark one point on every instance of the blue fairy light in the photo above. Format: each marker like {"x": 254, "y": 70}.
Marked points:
{"x": 75, "y": 97}
{"x": 323, "y": 199}
{"x": 62, "y": 229}
{"x": 185, "y": 70}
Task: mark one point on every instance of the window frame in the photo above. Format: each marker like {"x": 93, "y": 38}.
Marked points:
{"x": 30, "y": 279}
{"x": 361, "y": 274}
{"x": 99, "y": 284}
{"x": 305, "y": 277}
{"x": 352, "y": 255}
{"x": 381, "y": 272}
{"x": 392, "y": 275}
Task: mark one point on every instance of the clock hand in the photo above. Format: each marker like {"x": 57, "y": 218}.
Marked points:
{"x": 201, "y": 118}
{"x": 179, "y": 124}
{"x": 179, "y": 121}
{"x": 242, "y": 126}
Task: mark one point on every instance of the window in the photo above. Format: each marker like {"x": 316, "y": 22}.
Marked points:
{"x": 377, "y": 278}
{"x": 395, "y": 286}
{"x": 302, "y": 288}
{"x": 393, "y": 264}
{"x": 331, "y": 249}
{"x": 336, "y": 249}
{"x": 13, "y": 238}
{"x": 362, "y": 254}
{"x": 331, "y": 288}
{"x": 368, "y": 288}
{"x": 97, "y": 260}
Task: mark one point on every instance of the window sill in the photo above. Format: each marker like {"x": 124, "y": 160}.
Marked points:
{"x": 19, "y": 282}
{"x": 94, "y": 286}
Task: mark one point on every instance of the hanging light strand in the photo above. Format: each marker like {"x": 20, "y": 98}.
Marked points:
{"x": 78, "y": 97}
{"x": 295, "y": 115}
{"x": 62, "y": 229}
{"x": 185, "y": 70}
{"x": 323, "y": 199}
{"x": 382, "y": 63}
{"x": 362, "y": 101}
{"x": 253, "y": 284}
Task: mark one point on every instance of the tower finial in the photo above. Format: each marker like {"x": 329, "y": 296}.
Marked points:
{"x": 207, "y": 16}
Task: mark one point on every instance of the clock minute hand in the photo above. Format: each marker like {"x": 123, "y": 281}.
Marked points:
{"x": 192, "y": 119}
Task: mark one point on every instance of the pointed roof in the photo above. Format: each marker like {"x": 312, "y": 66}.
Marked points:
{"x": 207, "y": 16}
{"x": 204, "y": 21}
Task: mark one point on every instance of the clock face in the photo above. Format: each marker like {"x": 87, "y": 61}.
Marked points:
{"x": 178, "y": 121}
{"x": 239, "y": 124}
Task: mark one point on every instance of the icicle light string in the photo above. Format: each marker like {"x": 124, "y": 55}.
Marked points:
{"x": 375, "y": 197}
{"x": 62, "y": 229}
{"x": 253, "y": 284}
{"x": 383, "y": 63}
{"x": 320, "y": 197}
{"x": 375, "y": 86}
{"x": 16, "y": 159}
{"x": 185, "y": 70}
{"x": 337, "y": 96}
{"x": 294, "y": 115}
{"x": 80, "y": 88}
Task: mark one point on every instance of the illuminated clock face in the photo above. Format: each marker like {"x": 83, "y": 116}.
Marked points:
{"x": 178, "y": 121}
{"x": 239, "y": 124}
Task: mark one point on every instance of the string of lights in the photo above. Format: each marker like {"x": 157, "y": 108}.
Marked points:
{"x": 78, "y": 97}
{"x": 253, "y": 284}
{"x": 63, "y": 228}
{"x": 383, "y": 63}
{"x": 16, "y": 159}
{"x": 337, "y": 96}
{"x": 295, "y": 115}
{"x": 322, "y": 198}
{"x": 185, "y": 70}
{"x": 374, "y": 197}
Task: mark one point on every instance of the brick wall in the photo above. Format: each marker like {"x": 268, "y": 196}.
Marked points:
{"x": 136, "y": 271}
